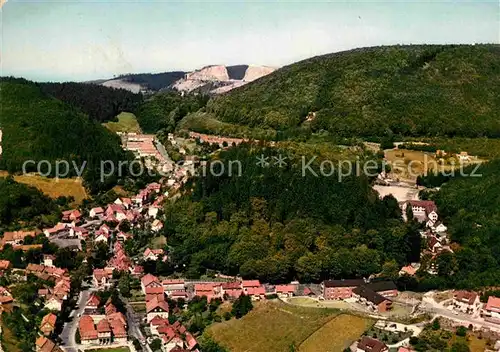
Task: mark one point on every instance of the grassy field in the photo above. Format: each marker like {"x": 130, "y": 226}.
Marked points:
{"x": 311, "y": 302}
{"x": 53, "y": 187}
{"x": 476, "y": 345}
{"x": 336, "y": 335}
{"x": 9, "y": 342}
{"x": 276, "y": 326}
{"x": 127, "y": 122}
{"x": 408, "y": 164}
{"x": 158, "y": 242}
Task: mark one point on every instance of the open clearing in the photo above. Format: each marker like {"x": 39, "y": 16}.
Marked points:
{"x": 53, "y": 187}
{"x": 408, "y": 164}
{"x": 9, "y": 341}
{"x": 337, "y": 334}
{"x": 127, "y": 122}
{"x": 276, "y": 326}
{"x": 314, "y": 303}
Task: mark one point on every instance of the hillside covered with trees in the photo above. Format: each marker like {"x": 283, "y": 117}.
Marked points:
{"x": 416, "y": 90}
{"x": 22, "y": 203}
{"x": 275, "y": 225}
{"x": 39, "y": 127}
{"x": 100, "y": 103}
{"x": 153, "y": 81}
{"x": 471, "y": 208}
{"x": 164, "y": 110}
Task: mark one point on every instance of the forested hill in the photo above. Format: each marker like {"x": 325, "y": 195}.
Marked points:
{"x": 99, "y": 102}
{"x": 275, "y": 225}
{"x": 416, "y": 90}
{"x": 39, "y": 127}
{"x": 471, "y": 208}
{"x": 153, "y": 81}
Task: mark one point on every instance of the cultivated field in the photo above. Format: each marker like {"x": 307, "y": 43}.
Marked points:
{"x": 336, "y": 335}
{"x": 127, "y": 122}
{"x": 276, "y": 326}
{"x": 408, "y": 164}
{"x": 53, "y": 187}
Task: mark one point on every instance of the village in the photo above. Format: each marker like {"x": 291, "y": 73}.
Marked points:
{"x": 99, "y": 315}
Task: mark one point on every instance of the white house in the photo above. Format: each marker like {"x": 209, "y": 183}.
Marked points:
{"x": 101, "y": 237}
{"x": 466, "y": 302}
{"x": 153, "y": 211}
{"x": 95, "y": 212}
{"x": 156, "y": 226}
{"x": 53, "y": 303}
{"x": 156, "y": 308}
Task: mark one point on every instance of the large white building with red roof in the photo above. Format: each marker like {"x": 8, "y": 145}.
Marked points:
{"x": 491, "y": 310}
{"x": 156, "y": 307}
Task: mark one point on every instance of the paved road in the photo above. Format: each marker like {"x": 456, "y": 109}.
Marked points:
{"x": 134, "y": 326}
{"x": 431, "y": 306}
{"x": 69, "y": 329}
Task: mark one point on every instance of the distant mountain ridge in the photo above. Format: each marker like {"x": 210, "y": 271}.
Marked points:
{"x": 212, "y": 79}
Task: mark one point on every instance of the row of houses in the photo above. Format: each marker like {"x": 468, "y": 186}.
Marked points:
{"x": 44, "y": 344}
{"x": 174, "y": 337}
{"x": 102, "y": 278}
{"x": 468, "y": 302}
{"x": 220, "y": 141}
{"x": 54, "y": 296}
{"x": 96, "y": 328}
{"x": 178, "y": 288}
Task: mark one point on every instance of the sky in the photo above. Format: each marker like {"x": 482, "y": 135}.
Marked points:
{"x": 84, "y": 40}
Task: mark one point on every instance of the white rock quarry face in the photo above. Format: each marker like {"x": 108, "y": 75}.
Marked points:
{"x": 254, "y": 72}
{"x": 210, "y": 73}
{"x": 199, "y": 78}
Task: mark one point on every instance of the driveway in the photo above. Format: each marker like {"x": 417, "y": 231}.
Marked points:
{"x": 69, "y": 329}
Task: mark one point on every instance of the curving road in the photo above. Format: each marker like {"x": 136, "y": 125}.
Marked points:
{"x": 69, "y": 330}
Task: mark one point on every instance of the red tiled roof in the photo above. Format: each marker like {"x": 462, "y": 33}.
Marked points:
{"x": 87, "y": 328}
{"x": 250, "y": 283}
{"x": 154, "y": 290}
{"x": 234, "y": 293}
{"x": 110, "y": 308}
{"x": 4, "y": 264}
{"x": 49, "y": 319}
{"x": 429, "y": 205}
{"x": 256, "y": 291}
{"x": 285, "y": 288}
{"x": 493, "y": 304}
{"x": 93, "y": 300}
{"x": 103, "y": 326}
{"x": 465, "y": 296}
{"x": 159, "y": 321}
{"x": 231, "y": 285}
{"x": 98, "y": 210}
{"x": 190, "y": 341}
{"x": 156, "y": 303}
{"x": 148, "y": 279}
{"x": 173, "y": 281}
{"x": 371, "y": 345}
{"x": 205, "y": 287}
{"x": 409, "y": 269}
